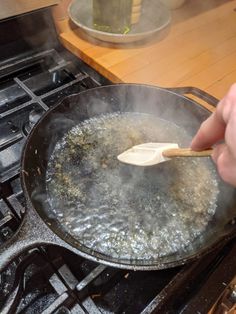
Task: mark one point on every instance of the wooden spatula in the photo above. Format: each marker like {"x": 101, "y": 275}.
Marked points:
{"x": 150, "y": 154}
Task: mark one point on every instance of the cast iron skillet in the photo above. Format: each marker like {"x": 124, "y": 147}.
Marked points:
{"x": 40, "y": 226}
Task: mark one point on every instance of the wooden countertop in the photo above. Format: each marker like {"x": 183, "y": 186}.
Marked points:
{"x": 199, "y": 50}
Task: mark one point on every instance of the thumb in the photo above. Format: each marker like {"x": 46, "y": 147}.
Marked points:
{"x": 217, "y": 151}
{"x": 225, "y": 162}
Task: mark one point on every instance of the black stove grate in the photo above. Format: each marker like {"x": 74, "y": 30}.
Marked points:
{"x": 52, "y": 280}
{"x": 28, "y": 88}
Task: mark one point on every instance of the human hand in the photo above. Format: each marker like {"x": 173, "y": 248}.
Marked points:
{"x": 221, "y": 125}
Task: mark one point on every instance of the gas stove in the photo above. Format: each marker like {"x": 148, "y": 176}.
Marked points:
{"x": 48, "y": 279}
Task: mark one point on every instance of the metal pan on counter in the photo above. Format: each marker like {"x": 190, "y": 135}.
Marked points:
{"x": 153, "y": 22}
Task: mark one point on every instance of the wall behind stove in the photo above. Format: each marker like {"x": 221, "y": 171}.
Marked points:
{"x": 32, "y": 31}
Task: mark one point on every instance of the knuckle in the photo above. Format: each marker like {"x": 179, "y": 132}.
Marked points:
{"x": 232, "y": 91}
{"x": 228, "y": 103}
{"x": 220, "y": 166}
{"x": 222, "y": 173}
{"x": 223, "y": 170}
{"x": 227, "y": 110}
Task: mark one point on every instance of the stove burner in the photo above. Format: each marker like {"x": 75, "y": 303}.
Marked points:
{"x": 71, "y": 283}
{"x": 6, "y": 283}
{"x": 34, "y": 117}
{"x": 13, "y": 127}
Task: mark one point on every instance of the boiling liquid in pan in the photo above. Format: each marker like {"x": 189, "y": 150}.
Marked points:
{"x": 126, "y": 211}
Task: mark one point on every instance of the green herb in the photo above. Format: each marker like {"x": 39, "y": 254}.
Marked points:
{"x": 112, "y": 16}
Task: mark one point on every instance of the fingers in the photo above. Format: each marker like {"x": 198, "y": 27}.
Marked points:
{"x": 225, "y": 162}
{"x": 221, "y": 125}
{"x": 211, "y": 131}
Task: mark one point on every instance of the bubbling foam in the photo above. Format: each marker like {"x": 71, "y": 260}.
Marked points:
{"x": 125, "y": 211}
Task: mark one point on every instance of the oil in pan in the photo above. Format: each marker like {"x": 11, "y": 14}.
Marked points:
{"x": 125, "y": 211}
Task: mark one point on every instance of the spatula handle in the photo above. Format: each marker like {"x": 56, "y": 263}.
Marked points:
{"x": 186, "y": 152}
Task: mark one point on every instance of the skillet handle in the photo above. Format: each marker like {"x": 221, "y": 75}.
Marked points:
{"x": 27, "y": 236}
{"x": 197, "y": 92}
